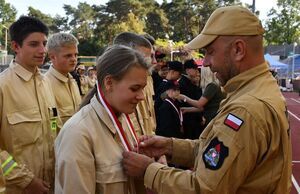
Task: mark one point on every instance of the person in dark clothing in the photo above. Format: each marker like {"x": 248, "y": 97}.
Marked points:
{"x": 192, "y": 71}
{"x": 170, "y": 123}
{"x": 192, "y": 123}
{"x": 208, "y": 103}
{"x": 159, "y": 72}
{"x": 174, "y": 72}
{"x": 76, "y": 76}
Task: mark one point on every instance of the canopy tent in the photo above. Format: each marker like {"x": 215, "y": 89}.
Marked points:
{"x": 282, "y": 69}
{"x": 274, "y": 64}
{"x": 296, "y": 61}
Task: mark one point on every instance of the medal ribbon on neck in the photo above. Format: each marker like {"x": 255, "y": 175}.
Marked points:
{"x": 179, "y": 112}
{"x": 117, "y": 123}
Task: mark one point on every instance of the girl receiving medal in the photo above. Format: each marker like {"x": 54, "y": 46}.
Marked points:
{"x": 89, "y": 147}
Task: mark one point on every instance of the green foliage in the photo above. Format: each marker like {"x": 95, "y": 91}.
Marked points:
{"x": 157, "y": 23}
{"x": 95, "y": 26}
{"x": 7, "y": 16}
{"x": 283, "y": 23}
{"x": 166, "y": 46}
{"x": 88, "y": 47}
{"x": 81, "y": 20}
{"x": 46, "y": 18}
{"x": 131, "y": 24}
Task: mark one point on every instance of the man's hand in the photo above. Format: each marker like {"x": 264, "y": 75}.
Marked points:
{"x": 135, "y": 164}
{"x": 37, "y": 186}
{"x": 155, "y": 146}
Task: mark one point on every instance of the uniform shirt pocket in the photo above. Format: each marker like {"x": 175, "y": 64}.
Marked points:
{"x": 66, "y": 111}
{"x": 111, "y": 174}
{"x": 111, "y": 179}
{"x": 25, "y": 127}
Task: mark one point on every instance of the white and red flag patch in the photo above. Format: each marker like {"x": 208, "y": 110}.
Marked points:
{"x": 233, "y": 122}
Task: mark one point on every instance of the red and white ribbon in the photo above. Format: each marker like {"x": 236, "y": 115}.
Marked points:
{"x": 117, "y": 123}
{"x": 179, "y": 112}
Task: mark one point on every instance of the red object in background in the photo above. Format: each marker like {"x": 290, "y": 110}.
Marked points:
{"x": 199, "y": 62}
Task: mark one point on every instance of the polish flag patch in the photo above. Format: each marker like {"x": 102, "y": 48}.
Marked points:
{"x": 233, "y": 122}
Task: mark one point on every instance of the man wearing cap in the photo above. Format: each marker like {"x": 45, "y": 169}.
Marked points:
{"x": 92, "y": 77}
{"x": 62, "y": 51}
{"x": 246, "y": 148}
{"x": 84, "y": 87}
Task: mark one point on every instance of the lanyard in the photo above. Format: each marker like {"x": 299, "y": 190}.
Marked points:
{"x": 178, "y": 112}
{"x": 117, "y": 123}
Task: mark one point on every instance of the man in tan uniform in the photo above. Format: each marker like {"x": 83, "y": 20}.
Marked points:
{"x": 246, "y": 148}
{"x": 28, "y": 114}
{"x": 62, "y": 51}
{"x": 144, "y": 117}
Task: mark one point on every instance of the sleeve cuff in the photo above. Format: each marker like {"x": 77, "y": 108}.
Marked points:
{"x": 27, "y": 180}
{"x": 183, "y": 152}
{"x": 150, "y": 174}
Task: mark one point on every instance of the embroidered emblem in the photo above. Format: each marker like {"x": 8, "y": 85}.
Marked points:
{"x": 233, "y": 122}
{"x": 214, "y": 155}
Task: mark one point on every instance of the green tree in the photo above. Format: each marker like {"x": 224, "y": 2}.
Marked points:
{"x": 81, "y": 20}
{"x": 52, "y": 23}
{"x": 7, "y": 16}
{"x": 283, "y": 23}
{"x": 157, "y": 23}
{"x": 132, "y": 24}
{"x": 187, "y": 17}
{"x": 118, "y": 16}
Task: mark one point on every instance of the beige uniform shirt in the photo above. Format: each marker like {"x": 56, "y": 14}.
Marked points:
{"x": 246, "y": 152}
{"x": 89, "y": 155}
{"x": 91, "y": 82}
{"x": 144, "y": 121}
{"x": 66, "y": 93}
{"x": 84, "y": 84}
{"x": 27, "y": 127}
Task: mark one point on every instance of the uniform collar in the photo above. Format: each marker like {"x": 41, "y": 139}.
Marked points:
{"x": 102, "y": 114}
{"x": 22, "y": 72}
{"x": 58, "y": 75}
{"x": 242, "y": 79}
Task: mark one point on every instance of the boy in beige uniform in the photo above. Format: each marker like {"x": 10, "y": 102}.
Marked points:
{"x": 62, "y": 51}
{"x": 28, "y": 113}
{"x": 246, "y": 148}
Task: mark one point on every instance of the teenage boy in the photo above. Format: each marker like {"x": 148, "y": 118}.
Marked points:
{"x": 63, "y": 51}
{"x": 28, "y": 114}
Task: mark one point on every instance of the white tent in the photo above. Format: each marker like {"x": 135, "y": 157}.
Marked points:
{"x": 274, "y": 64}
